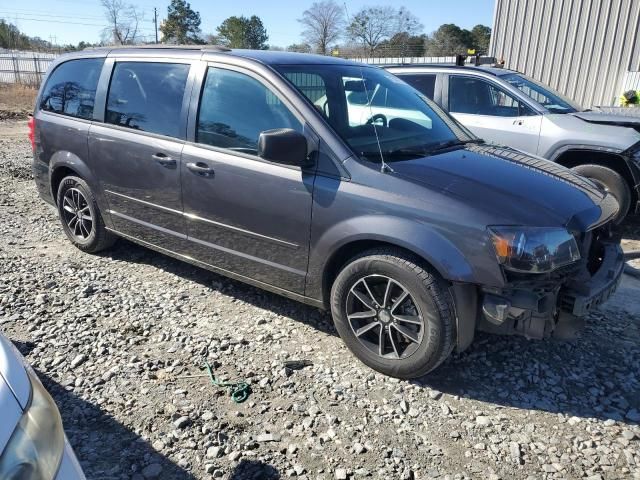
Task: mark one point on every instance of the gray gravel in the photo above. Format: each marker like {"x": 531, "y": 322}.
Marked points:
{"x": 118, "y": 338}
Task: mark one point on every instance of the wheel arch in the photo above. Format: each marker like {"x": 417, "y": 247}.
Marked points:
{"x": 57, "y": 175}
{"x": 573, "y": 157}
{"x": 63, "y": 164}
{"x": 430, "y": 248}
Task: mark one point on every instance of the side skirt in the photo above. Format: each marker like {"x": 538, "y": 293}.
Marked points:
{"x": 264, "y": 286}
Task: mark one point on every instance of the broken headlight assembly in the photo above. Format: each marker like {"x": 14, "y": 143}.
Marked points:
{"x": 533, "y": 249}
{"x": 36, "y": 446}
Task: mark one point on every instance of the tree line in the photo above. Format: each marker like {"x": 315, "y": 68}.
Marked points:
{"x": 326, "y": 28}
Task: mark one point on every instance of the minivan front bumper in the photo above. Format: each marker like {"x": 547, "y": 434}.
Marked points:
{"x": 536, "y": 309}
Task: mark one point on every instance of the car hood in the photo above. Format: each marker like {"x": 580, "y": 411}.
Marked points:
{"x": 609, "y": 118}
{"x": 516, "y": 188}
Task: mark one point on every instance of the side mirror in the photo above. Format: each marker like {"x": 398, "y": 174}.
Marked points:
{"x": 283, "y": 145}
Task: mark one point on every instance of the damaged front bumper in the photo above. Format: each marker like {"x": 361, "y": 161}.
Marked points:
{"x": 536, "y": 308}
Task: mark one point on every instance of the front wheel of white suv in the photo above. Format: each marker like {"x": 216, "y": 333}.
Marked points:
{"x": 612, "y": 182}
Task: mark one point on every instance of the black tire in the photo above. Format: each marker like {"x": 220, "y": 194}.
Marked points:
{"x": 426, "y": 289}
{"x": 612, "y": 182}
{"x": 89, "y": 236}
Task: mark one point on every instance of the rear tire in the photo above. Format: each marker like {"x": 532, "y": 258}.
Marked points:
{"x": 80, "y": 216}
{"x": 612, "y": 182}
{"x": 417, "y": 332}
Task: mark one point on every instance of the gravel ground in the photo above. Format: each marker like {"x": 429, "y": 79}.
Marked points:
{"x": 118, "y": 338}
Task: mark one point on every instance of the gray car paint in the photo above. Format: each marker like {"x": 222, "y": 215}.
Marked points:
{"x": 283, "y": 226}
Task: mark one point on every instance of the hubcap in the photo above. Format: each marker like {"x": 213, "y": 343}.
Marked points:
{"x": 384, "y": 317}
{"x": 77, "y": 214}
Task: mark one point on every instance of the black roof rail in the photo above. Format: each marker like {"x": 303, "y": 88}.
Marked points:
{"x": 160, "y": 46}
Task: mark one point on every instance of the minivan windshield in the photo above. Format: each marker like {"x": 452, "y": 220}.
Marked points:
{"x": 378, "y": 115}
{"x": 545, "y": 96}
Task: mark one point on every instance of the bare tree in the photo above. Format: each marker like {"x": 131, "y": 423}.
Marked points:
{"x": 370, "y": 26}
{"x": 407, "y": 22}
{"x": 323, "y": 24}
{"x": 123, "y": 21}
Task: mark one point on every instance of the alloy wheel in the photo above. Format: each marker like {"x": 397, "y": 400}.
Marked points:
{"x": 77, "y": 214}
{"x": 384, "y": 317}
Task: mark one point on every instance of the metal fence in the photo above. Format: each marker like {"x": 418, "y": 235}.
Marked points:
{"x": 26, "y": 68}
{"x": 402, "y": 60}
{"x": 631, "y": 81}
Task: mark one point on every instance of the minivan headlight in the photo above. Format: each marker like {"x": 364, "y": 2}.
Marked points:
{"x": 533, "y": 249}
{"x": 36, "y": 446}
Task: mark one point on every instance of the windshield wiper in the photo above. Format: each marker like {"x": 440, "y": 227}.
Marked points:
{"x": 454, "y": 143}
{"x": 420, "y": 151}
{"x": 407, "y": 152}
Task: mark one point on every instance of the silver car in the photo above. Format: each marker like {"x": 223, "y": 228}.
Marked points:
{"x": 508, "y": 108}
{"x": 33, "y": 445}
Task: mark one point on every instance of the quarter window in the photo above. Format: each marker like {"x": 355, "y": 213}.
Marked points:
{"x": 479, "y": 97}
{"x": 71, "y": 88}
{"x": 235, "y": 108}
{"x": 147, "y": 96}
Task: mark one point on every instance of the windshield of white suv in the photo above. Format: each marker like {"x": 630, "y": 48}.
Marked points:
{"x": 376, "y": 113}
{"x": 545, "y": 96}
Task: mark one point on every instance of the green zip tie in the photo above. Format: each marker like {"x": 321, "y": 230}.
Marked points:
{"x": 239, "y": 391}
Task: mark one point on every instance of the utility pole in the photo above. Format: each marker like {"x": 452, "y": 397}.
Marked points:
{"x": 155, "y": 22}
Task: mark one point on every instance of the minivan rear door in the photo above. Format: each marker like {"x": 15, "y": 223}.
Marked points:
{"x": 136, "y": 150}
{"x": 245, "y": 215}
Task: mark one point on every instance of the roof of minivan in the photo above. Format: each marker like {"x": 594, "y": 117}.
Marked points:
{"x": 267, "y": 57}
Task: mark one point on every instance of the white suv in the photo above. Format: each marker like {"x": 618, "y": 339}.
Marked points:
{"x": 508, "y": 108}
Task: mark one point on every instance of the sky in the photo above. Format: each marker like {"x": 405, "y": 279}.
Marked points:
{"x": 70, "y": 21}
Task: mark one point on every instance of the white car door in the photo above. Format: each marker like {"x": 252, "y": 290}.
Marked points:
{"x": 493, "y": 114}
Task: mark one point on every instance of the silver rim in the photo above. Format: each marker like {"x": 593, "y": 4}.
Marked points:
{"x": 77, "y": 214}
{"x": 384, "y": 317}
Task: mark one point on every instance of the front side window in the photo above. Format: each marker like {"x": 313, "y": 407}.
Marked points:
{"x": 147, "y": 96}
{"x": 424, "y": 83}
{"x": 378, "y": 115}
{"x": 235, "y": 108}
{"x": 545, "y": 96}
{"x": 480, "y": 97}
{"x": 71, "y": 88}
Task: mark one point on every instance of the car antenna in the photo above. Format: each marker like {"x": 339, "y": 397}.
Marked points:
{"x": 384, "y": 167}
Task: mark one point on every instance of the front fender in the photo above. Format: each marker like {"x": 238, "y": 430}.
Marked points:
{"x": 423, "y": 240}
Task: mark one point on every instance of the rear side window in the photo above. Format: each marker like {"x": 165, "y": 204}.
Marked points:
{"x": 147, "y": 96}
{"x": 71, "y": 88}
{"x": 235, "y": 108}
{"x": 425, "y": 84}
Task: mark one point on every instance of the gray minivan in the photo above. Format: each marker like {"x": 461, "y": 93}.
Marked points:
{"x": 263, "y": 166}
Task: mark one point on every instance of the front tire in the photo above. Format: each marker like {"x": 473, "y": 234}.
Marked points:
{"x": 393, "y": 314}
{"x": 80, "y": 216}
{"x": 612, "y": 182}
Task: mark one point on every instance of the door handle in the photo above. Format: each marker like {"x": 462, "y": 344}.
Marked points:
{"x": 201, "y": 169}
{"x": 164, "y": 160}
{"x": 518, "y": 122}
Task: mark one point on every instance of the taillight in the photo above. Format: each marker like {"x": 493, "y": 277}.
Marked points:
{"x": 32, "y": 132}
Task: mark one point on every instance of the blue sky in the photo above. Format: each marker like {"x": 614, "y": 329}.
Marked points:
{"x": 70, "y": 21}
